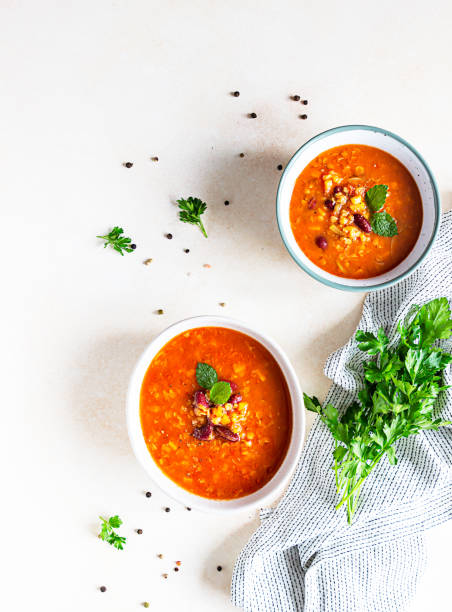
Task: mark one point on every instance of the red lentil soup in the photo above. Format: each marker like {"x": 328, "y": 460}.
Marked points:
{"x": 216, "y": 468}
{"x": 331, "y": 220}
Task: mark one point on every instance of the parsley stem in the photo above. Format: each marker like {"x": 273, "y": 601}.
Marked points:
{"x": 201, "y": 227}
{"x": 361, "y": 480}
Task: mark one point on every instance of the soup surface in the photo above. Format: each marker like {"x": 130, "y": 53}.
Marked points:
{"x": 216, "y": 468}
{"x": 330, "y": 201}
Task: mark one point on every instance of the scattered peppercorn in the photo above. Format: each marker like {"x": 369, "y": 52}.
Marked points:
{"x": 169, "y": 236}
{"x": 304, "y": 102}
{"x": 148, "y": 494}
{"x": 236, "y": 94}
{"x": 189, "y": 509}
{"x": 219, "y": 568}
{"x": 133, "y": 246}
{"x": 155, "y": 159}
{"x": 242, "y": 155}
{"x": 167, "y": 509}
{"x": 178, "y": 562}
{"x": 139, "y": 531}
{"x": 160, "y": 556}
{"x": 176, "y": 569}
{"x": 147, "y": 261}
{"x": 103, "y": 589}
{"x": 186, "y": 250}
{"x": 160, "y": 311}
{"x": 279, "y": 166}
{"x": 252, "y": 115}
{"x": 223, "y": 304}
{"x": 128, "y": 164}
{"x": 296, "y": 98}
{"x": 145, "y": 604}
{"x": 303, "y": 116}
{"x": 206, "y": 266}
{"x": 165, "y": 576}
{"x": 226, "y": 202}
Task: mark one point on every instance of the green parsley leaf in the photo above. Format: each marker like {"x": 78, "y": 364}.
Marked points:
{"x": 435, "y": 319}
{"x": 108, "y": 535}
{"x": 376, "y": 197}
{"x": 206, "y": 375}
{"x": 370, "y": 343}
{"x": 220, "y": 392}
{"x": 115, "y": 521}
{"x": 312, "y": 403}
{"x": 118, "y": 242}
{"x": 383, "y": 224}
{"x": 191, "y": 210}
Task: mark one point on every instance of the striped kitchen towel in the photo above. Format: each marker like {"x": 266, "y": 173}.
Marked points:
{"x": 304, "y": 556}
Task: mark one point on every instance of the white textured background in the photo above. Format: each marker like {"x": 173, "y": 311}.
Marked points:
{"x": 86, "y": 86}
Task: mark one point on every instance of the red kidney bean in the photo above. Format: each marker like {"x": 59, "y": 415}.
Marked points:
{"x": 200, "y": 400}
{"x": 337, "y": 189}
{"x": 321, "y": 242}
{"x": 312, "y": 203}
{"x": 362, "y": 223}
{"x": 204, "y": 432}
{"x": 329, "y": 204}
{"x": 226, "y": 433}
{"x": 235, "y": 399}
{"x": 234, "y": 386}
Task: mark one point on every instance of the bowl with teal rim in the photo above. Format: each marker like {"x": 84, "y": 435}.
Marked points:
{"x": 404, "y": 153}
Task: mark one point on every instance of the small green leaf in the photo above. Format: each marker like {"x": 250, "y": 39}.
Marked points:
{"x": 206, "y": 375}
{"x": 115, "y": 521}
{"x": 383, "y": 224}
{"x": 312, "y": 403}
{"x": 376, "y": 197}
{"x": 220, "y": 392}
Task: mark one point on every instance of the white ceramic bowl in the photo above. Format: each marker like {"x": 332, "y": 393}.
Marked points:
{"x": 275, "y": 486}
{"x": 398, "y": 148}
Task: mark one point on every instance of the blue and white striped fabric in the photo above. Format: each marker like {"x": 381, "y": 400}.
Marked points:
{"x": 304, "y": 556}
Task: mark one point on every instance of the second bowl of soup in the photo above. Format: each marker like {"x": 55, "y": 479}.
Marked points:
{"x": 358, "y": 208}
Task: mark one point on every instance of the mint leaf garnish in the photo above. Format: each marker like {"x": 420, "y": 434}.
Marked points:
{"x": 376, "y": 197}
{"x": 383, "y": 224}
{"x": 206, "y": 375}
{"x": 220, "y": 392}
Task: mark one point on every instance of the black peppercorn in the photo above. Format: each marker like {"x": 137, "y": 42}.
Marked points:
{"x": 296, "y": 98}
{"x": 169, "y": 236}
{"x": 189, "y": 509}
{"x": 219, "y": 568}
{"x": 128, "y": 164}
{"x": 304, "y": 102}
{"x": 303, "y": 116}
{"x": 139, "y": 531}
{"x": 252, "y": 115}
{"x": 176, "y": 569}
{"x": 242, "y": 155}
{"x": 186, "y": 250}
{"x": 236, "y": 94}
{"x": 167, "y": 509}
{"x": 226, "y": 202}
{"x": 279, "y": 166}
{"x": 148, "y": 494}
{"x": 103, "y": 589}
{"x": 133, "y": 246}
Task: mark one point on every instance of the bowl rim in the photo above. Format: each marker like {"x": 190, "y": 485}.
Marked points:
{"x": 274, "y": 486}
{"x": 436, "y": 198}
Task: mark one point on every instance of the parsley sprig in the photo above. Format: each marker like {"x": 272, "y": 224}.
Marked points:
{"x": 117, "y": 241}
{"x": 401, "y": 385}
{"x": 108, "y": 535}
{"x": 191, "y": 210}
